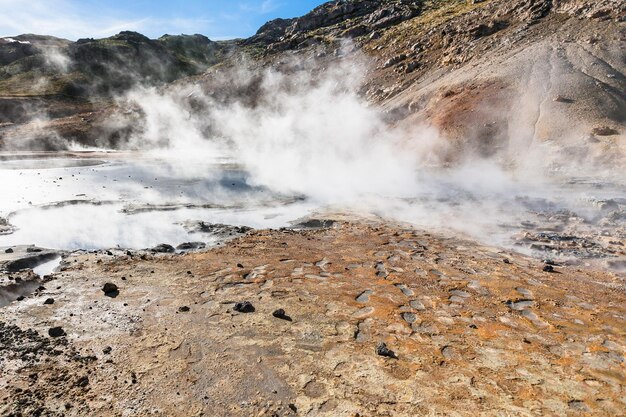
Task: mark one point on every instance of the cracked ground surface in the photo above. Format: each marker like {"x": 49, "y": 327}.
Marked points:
{"x": 476, "y": 330}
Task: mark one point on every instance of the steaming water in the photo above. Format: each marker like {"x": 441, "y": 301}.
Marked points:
{"x": 130, "y": 202}
{"x": 133, "y": 201}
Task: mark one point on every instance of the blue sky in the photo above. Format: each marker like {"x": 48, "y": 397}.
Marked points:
{"x": 73, "y": 19}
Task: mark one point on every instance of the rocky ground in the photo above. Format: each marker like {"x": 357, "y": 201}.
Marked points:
{"x": 467, "y": 330}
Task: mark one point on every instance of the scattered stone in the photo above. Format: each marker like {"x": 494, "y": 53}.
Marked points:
{"x": 456, "y": 299}
{"x": 364, "y": 297}
{"x": 363, "y": 312}
{"x": 8, "y": 250}
{"x": 526, "y": 293}
{"x": 405, "y": 290}
{"x": 107, "y": 350}
{"x": 82, "y": 382}
{"x": 604, "y": 131}
{"x": 383, "y": 350}
{"x": 186, "y": 246}
{"x": 244, "y": 307}
{"x": 460, "y": 293}
{"x": 49, "y": 301}
{"x": 183, "y": 309}
{"x": 20, "y": 298}
{"x": 56, "y": 332}
{"x": 577, "y": 405}
{"x": 548, "y": 268}
{"x": 416, "y": 304}
{"x": 163, "y": 248}
{"x": 315, "y": 224}
{"x": 520, "y": 305}
{"x": 448, "y": 352}
{"x": 280, "y": 314}
{"x": 110, "y": 290}
{"x": 409, "y": 317}
{"x": 530, "y": 315}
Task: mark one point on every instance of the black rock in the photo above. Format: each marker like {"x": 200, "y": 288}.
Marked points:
{"x": 110, "y": 290}
{"x": 20, "y": 298}
{"x": 33, "y": 250}
{"x": 191, "y": 246}
{"x": 316, "y": 224}
{"x": 56, "y": 332}
{"x": 244, "y": 307}
{"x": 183, "y": 309}
{"x": 49, "y": 301}
{"x": 109, "y": 253}
{"x": 83, "y": 381}
{"x": 548, "y": 268}
{"x": 8, "y": 250}
{"x": 107, "y": 350}
{"x": 239, "y": 265}
{"x": 383, "y": 350}
{"x": 163, "y": 248}
{"x": 280, "y": 314}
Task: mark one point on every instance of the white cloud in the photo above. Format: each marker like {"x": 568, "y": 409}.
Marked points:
{"x": 66, "y": 19}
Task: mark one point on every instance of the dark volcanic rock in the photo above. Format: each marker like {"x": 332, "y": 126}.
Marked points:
{"x": 49, "y": 301}
{"x": 83, "y": 381}
{"x": 110, "y": 290}
{"x": 383, "y": 350}
{"x": 315, "y": 224}
{"x": 191, "y": 246}
{"x": 56, "y": 331}
{"x": 216, "y": 229}
{"x": 280, "y": 314}
{"x": 183, "y": 309}
{"x": 244, "y": 307}
{"x": 163, "y": 248}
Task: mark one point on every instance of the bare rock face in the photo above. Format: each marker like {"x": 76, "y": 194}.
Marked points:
{"x": 342, "y": 18}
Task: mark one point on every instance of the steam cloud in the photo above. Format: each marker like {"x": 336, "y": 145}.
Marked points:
{"x": 305, "y": 130}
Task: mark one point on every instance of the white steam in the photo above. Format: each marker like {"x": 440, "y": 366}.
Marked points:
{"x": 302, "y": 131}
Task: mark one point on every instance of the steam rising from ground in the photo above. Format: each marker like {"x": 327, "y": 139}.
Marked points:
{"x": 304, "y": 131}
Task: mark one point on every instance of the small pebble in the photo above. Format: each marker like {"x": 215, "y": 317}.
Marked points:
{"x": 244, "y": 307}
{"x": 383, "y": 350}
{"x": 56, "y": 332}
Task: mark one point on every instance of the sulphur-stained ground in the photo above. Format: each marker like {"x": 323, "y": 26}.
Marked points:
{"x": 475, "y": 331}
